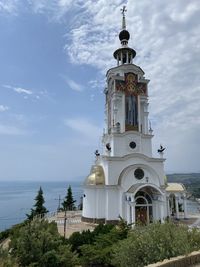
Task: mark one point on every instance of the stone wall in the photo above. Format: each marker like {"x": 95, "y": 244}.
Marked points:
{"x": 180, "y": 261}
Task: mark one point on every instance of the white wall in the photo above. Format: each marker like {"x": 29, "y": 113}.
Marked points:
{"x": 94, "y": 202}
{"x": 112, "y": 203}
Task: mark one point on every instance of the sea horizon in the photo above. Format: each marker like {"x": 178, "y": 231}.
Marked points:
{"x": 17, "y": 198}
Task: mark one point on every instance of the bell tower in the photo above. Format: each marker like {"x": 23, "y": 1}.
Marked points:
{"x": 126, "y": 109}
{"x": 125, "y": 179}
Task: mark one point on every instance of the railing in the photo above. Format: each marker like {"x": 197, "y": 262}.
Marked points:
{"x": 71, "y": 217}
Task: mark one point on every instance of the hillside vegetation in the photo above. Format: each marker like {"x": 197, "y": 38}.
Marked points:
{"x": 38, "y": 244}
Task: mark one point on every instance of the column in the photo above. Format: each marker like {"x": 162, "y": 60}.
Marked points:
{"x": 177, "y": 210}
{"x": 162, "y": 215}
{"x": 117, "y": 59}
{"x": 127, "y": 57}
{"x": 133, "y": 214}
{"x": 121, "y": 58}
{"x": 145, "y": 123}
{"x": 128, "y": 212}
{"x": 139, "y": 114}
{"x": 185, "y": 207}
{"x": 168, "y": 207}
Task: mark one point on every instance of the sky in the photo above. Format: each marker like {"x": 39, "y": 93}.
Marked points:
{"x": 54, "y": 55}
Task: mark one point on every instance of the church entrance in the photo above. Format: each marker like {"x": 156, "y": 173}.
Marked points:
{"x": 144, "y": 204}
{"x": 141, "y": 215}
{"x": 143, "y": 208}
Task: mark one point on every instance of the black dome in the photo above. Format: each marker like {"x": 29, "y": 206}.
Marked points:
{"x": 124, "y": 35}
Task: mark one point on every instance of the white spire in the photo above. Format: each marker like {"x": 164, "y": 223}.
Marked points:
{"x": 123, "y": 10}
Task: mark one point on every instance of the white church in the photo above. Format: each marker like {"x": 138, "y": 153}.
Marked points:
{"x": 127, "y": 180}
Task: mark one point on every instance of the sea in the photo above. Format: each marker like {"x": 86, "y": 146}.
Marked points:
{"x": 17, "y": 198}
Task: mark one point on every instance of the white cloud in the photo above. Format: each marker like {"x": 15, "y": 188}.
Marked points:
{"x": 84, "y": 128}
{"x": 26, "y": 93}
{"x": 167, "y": 40}
{"x": 23, "y": 91}
{"x": 19, "y": 90}
{"x": 74, "y": 85}
{"x": 3, "y": 108}
{"x": 165, "y": 35}
{"x": 53, "y": 9}
{"x": 8, "y": 6}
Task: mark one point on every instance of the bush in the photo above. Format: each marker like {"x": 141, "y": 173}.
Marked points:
{"x": 77, "y": 239}
{"x": 39, "y": 244}
{"x": 154, "y": 243}
{"x": 4, "y": 234}
{"x": 6, "y": 260}
{"x": 99, "y": 253}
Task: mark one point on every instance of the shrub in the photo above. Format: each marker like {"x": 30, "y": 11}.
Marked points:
{"x": 77, "y": 239}
{"x": 100, "y": 252}
{"x": 38, "y": 244}
{"x": 153, "y": 243}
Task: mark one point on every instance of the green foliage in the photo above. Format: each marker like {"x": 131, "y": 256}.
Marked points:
{"x": 123, "y": 227}
{"x": 38, "y": 244}
{"x": 153, "y": 243}
{"x": 194, "y": 239}
{"x": 68, "y": 203}
{"x": 39, "y": 209}
{"x": 102, "y": 229}
{"x": 6, "y": 260}
{"x": 77, "y": 239}
{"x": 100, "y": 252}
{"x": 4, "y": 234}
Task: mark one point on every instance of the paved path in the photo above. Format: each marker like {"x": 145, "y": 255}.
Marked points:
{"x": 73, "y": 223}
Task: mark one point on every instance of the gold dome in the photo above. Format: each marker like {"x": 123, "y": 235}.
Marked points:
{"x": 175, "y": 187}
{"x": 96, "y": 176}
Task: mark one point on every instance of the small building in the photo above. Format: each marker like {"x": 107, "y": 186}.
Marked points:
{"x": 176, "y": 199}
{"x": 126, "y": 180}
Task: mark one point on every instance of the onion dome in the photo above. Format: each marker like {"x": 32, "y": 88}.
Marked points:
{"x": 124, "y": 35}
{"x": 96, "y": 176}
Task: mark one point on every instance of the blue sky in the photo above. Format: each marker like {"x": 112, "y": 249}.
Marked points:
{"x": 53, "y": 59}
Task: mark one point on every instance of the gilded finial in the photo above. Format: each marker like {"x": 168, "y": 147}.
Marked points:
{"x": 123, "y": 10}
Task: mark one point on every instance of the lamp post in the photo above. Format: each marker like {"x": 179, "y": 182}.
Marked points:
{"x": 65, "y": 222}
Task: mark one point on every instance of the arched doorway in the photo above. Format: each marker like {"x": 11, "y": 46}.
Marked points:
{"x": 144, "y": 204}
{"x": 143, "y": 208}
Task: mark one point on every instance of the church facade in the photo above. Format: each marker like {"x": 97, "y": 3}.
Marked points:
{"x": 126, "y": 180}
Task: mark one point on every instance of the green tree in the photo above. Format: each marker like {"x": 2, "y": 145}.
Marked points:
{"x": 68, "y": 203}
{"x": 39, "y": 244}
{"x": 39, "y": 209}
{"x": 100, "y": 251}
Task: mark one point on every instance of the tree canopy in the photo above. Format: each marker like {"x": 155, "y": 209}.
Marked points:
{"x": 68, "y": 203}
{"x": 39, "y": 244}
{"x": 39, "y": 209}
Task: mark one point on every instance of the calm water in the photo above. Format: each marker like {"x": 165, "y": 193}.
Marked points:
{"x": 17, "y": 198}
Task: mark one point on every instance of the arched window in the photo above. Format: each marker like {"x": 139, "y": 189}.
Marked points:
{"x": 141, "y": 201}
{"x": 145, "y": 196}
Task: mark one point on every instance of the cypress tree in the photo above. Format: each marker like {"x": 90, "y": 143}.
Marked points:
{"x": 68, "y": 203}
{"x": 39, "y": 206}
